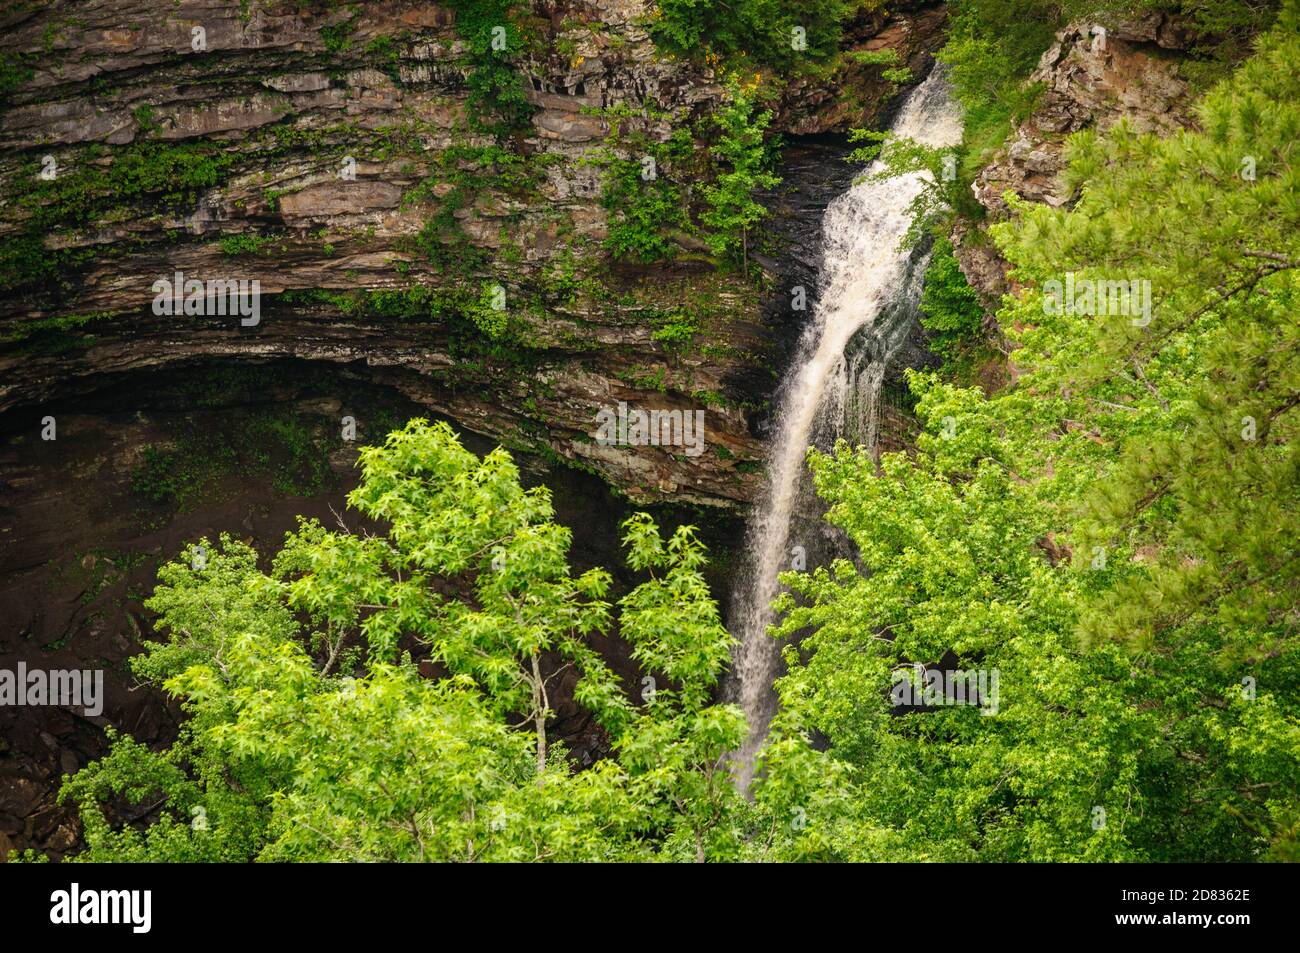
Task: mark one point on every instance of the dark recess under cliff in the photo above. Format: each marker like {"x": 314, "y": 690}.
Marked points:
{"x": 145, "y": 465}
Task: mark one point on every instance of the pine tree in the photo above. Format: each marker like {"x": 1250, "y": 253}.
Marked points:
{"x": 1114, "y": 533}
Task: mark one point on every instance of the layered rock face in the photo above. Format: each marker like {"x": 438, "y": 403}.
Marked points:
{"x": 337, "y": 155}
{"x": 340, "y": 155}
{"x": 1091, "y": 78}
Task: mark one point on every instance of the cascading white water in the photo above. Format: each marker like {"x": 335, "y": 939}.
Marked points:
{"x": 868, "y": 289}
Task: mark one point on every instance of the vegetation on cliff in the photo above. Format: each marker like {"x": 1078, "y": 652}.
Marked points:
{"x": 1109, "y": 539}
{"x": 1111, "y": 534}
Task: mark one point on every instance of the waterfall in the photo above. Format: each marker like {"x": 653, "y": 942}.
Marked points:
{"x": 868, "y": 291}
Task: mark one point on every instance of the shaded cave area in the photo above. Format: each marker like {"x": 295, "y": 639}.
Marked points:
{"x": 142, "y": 466}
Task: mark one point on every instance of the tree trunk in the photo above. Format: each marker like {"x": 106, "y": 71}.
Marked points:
{"x": 539, "y": 714}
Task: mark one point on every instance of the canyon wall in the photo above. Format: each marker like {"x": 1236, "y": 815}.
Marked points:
{"x": 341, "y": 155}
{"x": 1088, "y": 80}
{"x": 335, "y": 154}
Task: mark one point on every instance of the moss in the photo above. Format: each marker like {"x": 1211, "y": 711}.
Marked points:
{"x": 102, "y": 183}
{"x": 337, "y": 37}
{"x": 15, "y": 70}
{"x": 648, "y": 378}
{"x": 384, "y": 52}
{"x": 169, "y": 175}
{"x": 144, "y": 116}
{"x": 465, "y": 174}
{"x": 675, "y": 328}
{"x": 710, "y": 398}
{"x": 191, "y": 470}
{"x": 26, "y": 264}
{"x": 57, "y": 334}
{"x": 247, "y": 244}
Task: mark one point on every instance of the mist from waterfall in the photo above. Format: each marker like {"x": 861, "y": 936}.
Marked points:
{"x": 868, "y": 294}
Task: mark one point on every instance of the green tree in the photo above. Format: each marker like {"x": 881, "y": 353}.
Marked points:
{"x": 732, "y": 210}
{"x": 950, "y": 309}
{"x": 776, "y": 33}
{"x": 1111, "y": 534}
{"x": 497, "y": 100}
{"x": 643, "y": 190}
{"x": 311, "y": 734}
{"x": 679, "y": 745}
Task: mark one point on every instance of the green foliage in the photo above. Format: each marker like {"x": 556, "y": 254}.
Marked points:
{"x": 940, "y": 192}
{"x": 677, "y": 328}
{"x": 757, "y": 32}
{"x": 644, "y": 210}
{"x": 887, "y": 58}
{"x": 950, "y": 310}
{"x": 732, "y": 210}
{"x": 993, "y": 46}
{"x": 678, "y": 746}
{"x": 497, "y": 101}
{"x": 26, "y": 264}
{"x": 646, "y": 181}
{"x": 56, "y": 332}
{"x": 144, "y": 116}
{"x": 384, "y": 51}
{"x": 311, "y": 735}
{"x": 1111, "y": 534}
{"x": 337, "y": 37}
{"x": 463, "y": 175}
{"x": 14, "y": 72}
{"x": 194, "y": 468}
{"x": 245, "y": 243}
{"x": 170, "y": 174}
{"x": 488, "y": 311}
{"x": 647, "y": 204}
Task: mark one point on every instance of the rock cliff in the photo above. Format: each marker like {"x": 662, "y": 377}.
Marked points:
{"x": 342, "y": 156}
{"x": 338, "y": 154}
{"x": 1089, "y": 78}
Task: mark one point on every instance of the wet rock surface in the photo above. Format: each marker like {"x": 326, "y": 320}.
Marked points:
{"x": 291, "y": 95}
